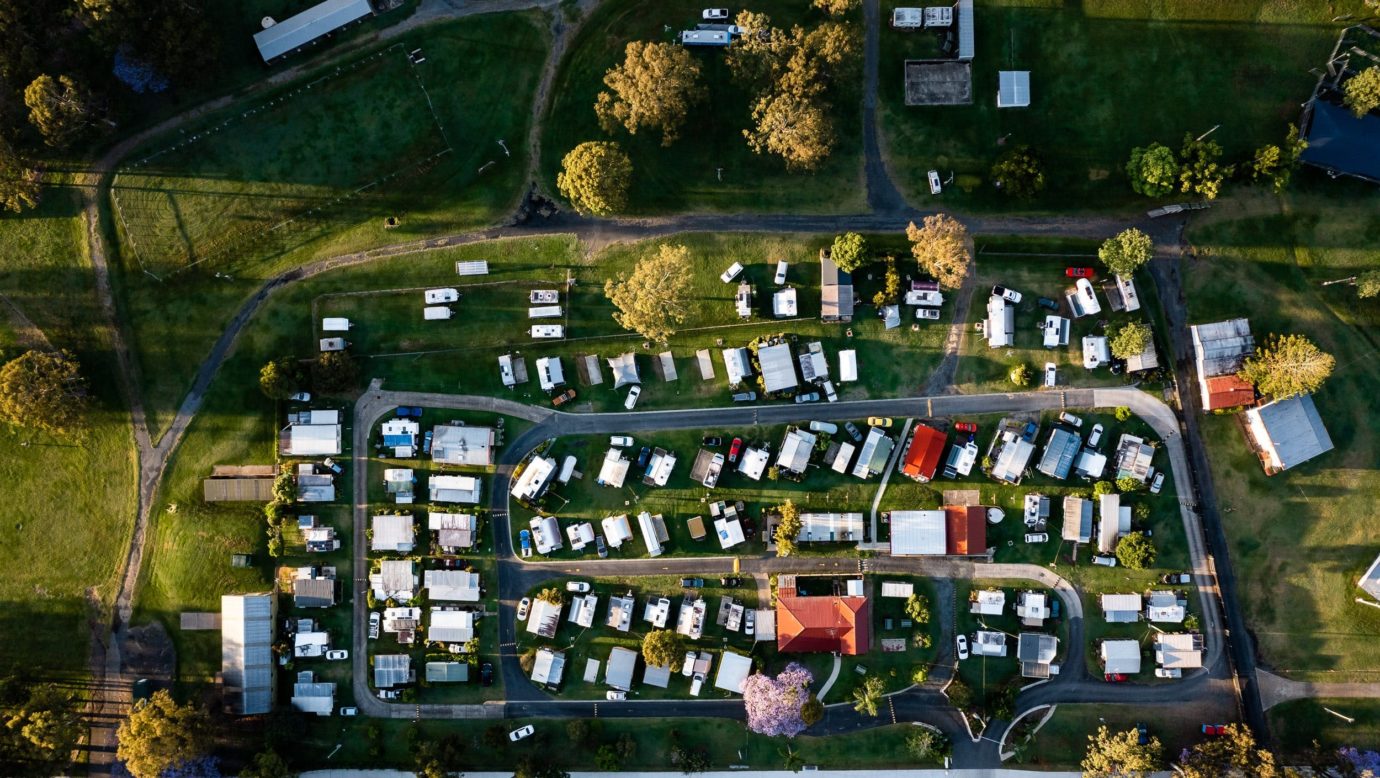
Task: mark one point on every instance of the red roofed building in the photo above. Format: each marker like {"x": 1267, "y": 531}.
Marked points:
{"x": 822, "y": 624}
{"x": 1227, "y": 391}
{"x": 966, "y": 527}
{"x": 922, "y": 458}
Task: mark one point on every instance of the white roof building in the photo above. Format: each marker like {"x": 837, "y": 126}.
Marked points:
{"x": 401, "y": 436}
{"x": 844, "y": 458}
{"x": 544, "y": 618}
{"x": 653, "y": 532}
{"x": 303, "y": 28}
{"x": 1133, "y": 457}
{"x": 987, "y": 602}
{"x": 392, "y": 670}
{"x": 1370, "y": 580}
{"x": 617, "y": 530}
{"x": 580, "y": 535}
{"x": 733, "y": 670}
{"x": 310, "y": 440}
{"x": 309, "y": 696}
{"x": 624, "y": 369}
{"x": 1179, "y": 651}
{"x": 247, "y": 668}
{"x": 659, "y": 468}
{"x": 783, "y": 304}
{"x": 729, "y": 532}
{"x": 814, "y": 367}
{"x": 778, "y": 368}
{"x": 918, "y": 533}
{"x": 452, "y": 585}
{"x": 550, "y": 373}
{"x": 549, "y": 667}
{"x": 546, "y": 534}
{"x": 1032, "y": 608}
{"x": 1013, "y": 458}
{"x": 464, "y": 489}
{"x": 1286, "y": 433}
{"x": 455, "y": 444}
{"x": 1095, "y": 352}
{"x": 737, "y": 365}
{"x": 1164, "y": 606}
{"x": 1219, "y": 349}
{"x": 453, "y": 530}
{"x": 1113, "y": 521}
{"x": 614, "y": 470}
{"x": 830, "y": 528}
{"x": 848, "y": 366}
{"x": 535, "y": 478}
{"x": 795, "y": 450}
{"x": 1121, "y": 608}
{"x": 393, "y": 533}
{"x": 989, "y": 643}
{"x": 897, "y": 589}
{"x": 753, "y": 463}
{"x": 396, "y": 580}
{"x": 1055, "y": 332}
{"x": 582, "y": 609}
{"x": 450, "y": 626}
{"x": 621, "y": 666}
{"x": 620, "y": 615}
{"x": 1013, "y": 89}
{"x": 1121, "y": 656}
{"x": 1000, "y": 328}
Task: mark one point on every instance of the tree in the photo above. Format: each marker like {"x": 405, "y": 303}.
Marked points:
{"x": 43, "y": 390}
{"x": 960, "y": 695}
{"x": 787, "y": 528}
{"x": 1200, "y": 171}
{"x": 918, "y": 608}
{"x": 19, "y": 183}
{"x": 1020, "y": 374}
{"x": 774, "y": 704}
{"x": 836, "y": 7}
{"x": 849, "y": 251}
{"x": 867, "y": 696}
{"x": 1361, "y": 92}
{"x": 334, "y": 371}
{"x": 1233, "y": 755}
{"x": 280, "y": 378}
{"x": 758, "y": 58}
{"x": 1131, "y": 339}
{"x": 1153, "y": 170}
{"x": 578, "y": 731}
{"x": 1019, "y": 173}
{"x": 1127, "y": 484}
{"x": 1102, "y": 488}
{"x": 532, "y": 767}
{"x": 1135, "y": 551}
{"x": 1121, "y": 754}
{"x": 794, "y": 127}
{"x": 941, "y": 248}
{"x": 595, "y": 177}
{"x": 1276, "y": 164}
{"x": 1126, "y": 252}
{"x": 551, "y": 595}
{"x": 39, "y": 727}
{"x": 925, "y": 745}
{"x": 1122, "y": 413}
{"x": 267, "y": 764}
{"x": 607, "y": 758}
{"x": 58, "y": 109}
{"x": 1368, "y": 284}
{"x": 812, "y": 712}
{"x": 651, "y": 302}
{"x": 662, "y": 648}
{"x": 1287, "y": 366}
{"x": 654, "y": 88}
{"x": 159, "y": 734}
{"x": 689, "y": 760}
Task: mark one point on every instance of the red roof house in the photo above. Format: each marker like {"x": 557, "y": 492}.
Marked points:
{"x": 1228, "y": 391}
{"x": 922, "y": 458}
{"x": 966, "y": 527}
{"x": 823, "y": 624}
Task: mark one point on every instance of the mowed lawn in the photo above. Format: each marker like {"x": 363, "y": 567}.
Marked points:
{"x": 1300, "y": 539}
{"x": 1299, "y": 723}
{"x": 224, "y": 192}
{"x": 1106, "y": 76}
{"x": 70, "y": 499}
{"x": 1063, "y": 740}
{"x": 710, "y": 168}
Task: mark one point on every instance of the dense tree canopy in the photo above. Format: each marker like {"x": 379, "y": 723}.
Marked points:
{"x": 1368, "y": 284}
{"x": 334, "y": 371}
{"x": 654, "y": 88}
{"x": 1019, "y": 173}
{"x": 43, "y": 390}
{"x": 1232, "y": 755}
{"x": 774, "y": 704}
{"x": 280, "y": 378}
{"x": 595, "y": 178}
{"x": 651, "y": 301}
{"x": 159, "y": 734}
{"x": 868, "y": 695}
{"x": 40, "y": 724}
{"x": 1131, "y": 339}
{"x": 849, "y": 251}
{"x": 837, "y": 7}
{"x": 19, "y": 182}
{"x": 1361, "y": 92}
{"x": 1199, "y": 169}
{"x": 794, "y": 128}
{"x": 1286, "y": 366}
{"x": 58, "y": 108}
{"x": 1153, "y": 170}
{"x": 1126, "y": 252}
{"x": 1276, "y": 164}
{"x": 787, "y": 528}
{"x": 942, "y": 249}
{"x": 1121, "y": 755}
{"x": 1135, "y": 551}
{"x": 662, "y": 648}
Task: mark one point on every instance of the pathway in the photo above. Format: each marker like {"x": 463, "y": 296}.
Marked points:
{"x": 1275, "y": 690}
{"x": 833, "y": 676}
{"x": 886, "y": 476}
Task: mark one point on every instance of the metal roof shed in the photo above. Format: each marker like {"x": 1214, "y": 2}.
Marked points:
{"x": 309, "y": 25}
{"x": 1013, "y": 89}
{"x": 778, "y": 368}
{"x": 246, "y": 652}
{"x": 621, "y": 665}
{"x": 848, "y": 366}
{"x": 918, "y": 533}
{"x": 966, "y": 46}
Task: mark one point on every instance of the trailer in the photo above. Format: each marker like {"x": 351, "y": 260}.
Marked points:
{"x": 438, "y": 296}
{"x": 908, "y": 18}
{"x": 548, "y": 331}
{"x": 718, "y": 38}
{"x": 333, "y": 344}
{"x": 544, "y": 297}
{"x": 544, "y": 312}
{"x": 335, "y": 324}
{"x": 437, "y": 313}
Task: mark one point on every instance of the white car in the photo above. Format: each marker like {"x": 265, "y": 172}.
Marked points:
{"x": 1009, "y": 295}
{"x": 1069, "y": 418}
{"x": 734, "y": 270}
{"x": 927, "y": 314}
{"x": 579, "y": 587}
{"x": 349, "y": 711}
{"x": 375, "y": 622}
{"x": 633, "y": 394}
{"x": 1037, "y": 537}
{"x": 1105, "y": 561}
{"x": 301, "y": 397}
{"x": 519, "y": 734}
{"x": 1168, "y": 672}
{"x": 337, "y": 655}
{"x": 688, "y": 669}
{"x": 616, "y": 695}
{"x": 714, "y": 14}
{"x": 1157, "y": 484}
{"x": 824, "y": 426}
{"x": 781, "y": 272}
{"x": 620, "y": 441}
{"x": 1051, "y": 375}
{"x": 523, "y": 606}
{"x": 1095, "y": 436}
{"x": 935, "y": 186}
{"x": 962, "y": 641}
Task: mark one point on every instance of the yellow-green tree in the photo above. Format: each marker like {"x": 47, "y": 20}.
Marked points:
{"x": 19, "y": 183}
{"x": 595, "y": 178}
{"x": 836, "y": 7}
{"x": 1126, "y": 252}
{"x": 787, "y": 529}
{"x": 1368, "y": 284}
{"x": 58, "y": 108}
{"x": 1121, "y": 755}
{"x": 1233, "y": 755}
{"x": 1361, "y": 92}
{"x": 651, "y": 301}
{"x": 941, "y": 249}
{"x": 795, "y": 128}
{"x": 1287, "y": 366}
{"x": 654, "y": 88}
{"x": 159, "y": 734}
{"x": 1131, "y": 339}
{"x": 662, "y": 648}
{"x": 43, "y": 390}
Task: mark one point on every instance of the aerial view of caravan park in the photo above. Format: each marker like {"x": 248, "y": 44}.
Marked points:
{"x": 561, "y": 388}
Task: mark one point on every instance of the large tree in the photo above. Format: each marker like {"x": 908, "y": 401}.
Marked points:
{"x": 758, "y": 58}
{"x": 1286, "y": 366}
{"x": 58, "y": 108}
{"x": 1153, "y": 170}
{"x": 1362, "y": 91}
{"x": 159, "y": 735}
{"x": 941, "y": 248}
{"x": 1276, "y": 163}
{"x": 836, "y": 7}
{"x": 1126, "y": 252}
{"x": 1200, "y": 172}
{"x": 868, "y": 695}
{"x": 651, "y": 301}
{"x": 787, "y": 528}
{"x": 773, "y": 704}
{"x": 1019, "y": 173}
{"x": 1121, "y": 755}
{"x": 334, "y": 371}
{"x": 1131, "y": 339}
{"x": 268, "y": 764}
{"x": 849, "y": 251}
{"x": 39, "y": 727}
{"x": 19, "y": 183}
{"x": 1135, "y": 551}
{"x": 595, "y": 178}
{"x": 43, "y": 390}
{"x": 172, "y": 38}
{"x": 654, "y": 88}
{"x": 794, "y": 127}
{"x": 1232, "y": 755}
{"x": 662, "y": 648}
{"x": 280, "y": 378}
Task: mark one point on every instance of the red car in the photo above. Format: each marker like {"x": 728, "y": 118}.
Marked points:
{"x": 1114, "y": 677}
{"x": 965, "y": 426}
{"x": 1078, "y": 272}
{"x": 1214, "y": 729}
{"x": 734, "y": 449}
{"x": 563, "y": 398}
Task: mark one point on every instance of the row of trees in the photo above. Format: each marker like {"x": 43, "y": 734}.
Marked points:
{"x": 1156, "y": 171}
{"x": 1234, "y": 754}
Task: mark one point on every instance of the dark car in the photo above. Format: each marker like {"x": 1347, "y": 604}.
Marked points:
{"x": 852, "y": 430}
{"x": 1049, "y": 304}
{"x": 1054, "y": 607}
{"x": 965, "y": 426}
{"x": 744, "y": 397}
{"x": 643, "y": 456}
{"x": 486, "y": 674}
{"x": 563, "y": 398}
{"x": 1142, "y": 735}
{"x": 692, "y": 583}
{"x": 734, "y": 449}
{"x": 600, "y": 546}
{"x": 712, "y": 441}
{"x": 1078, "y": 272}
{"x": 730, "y": 582}
{"x": 1176, "y": 578}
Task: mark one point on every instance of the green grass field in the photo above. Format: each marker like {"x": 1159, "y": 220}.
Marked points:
{"x": 1297, "y": 724}
{"x": 480, "y": 74}
{"x": 1300, "y": 539}
{"x": 1063, "y": 740}
{"x": 710, "y": 168}
{"x": 1106, "y": 76}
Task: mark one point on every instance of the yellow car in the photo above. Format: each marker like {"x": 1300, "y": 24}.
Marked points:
{"x": 878, "y": 421}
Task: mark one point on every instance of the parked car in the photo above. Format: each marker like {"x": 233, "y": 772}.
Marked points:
{"x": 579, "y": 587}
{"x": 714, "y": 14}
{"x": 1168, "y": 672}
{"x": 781, "y": 272}
{"x": 1078, "y": 272}
{"x": 389, "y": 694}
{"x": 644, "y": 455}
{"x": 1048, "y": 304}
{"x": 730, "y": 582}
{"x": 692, "y": 583}
{"x": 633, "y": 394}
{"x": 301, "y": 397}
{"x": 879, "y": 421}
{"x": 750, "y": 622}
{"x": 927, "y": 314}
{"x": 965, "y": 426}
{"x": 486, "y": 674}
{"x": 1176, "y": 578}
{"x": 1069, "y": 418}
{"x": 807, "y": 397}
{"x": 524, "y": 605}
{"x": 744, "y": 397}
{"x": 935, "y": 186}
{"x": 853, "y": 432}
{"x": 962, "y": 641}
{"x": 520, "y": 733}
{"x": 375, "y": 623}
{"x": 615, "y": 695}
{"x": 688, "y": 669}
{"x": 409, "y": 411}
{"x": 1095, "y": 436}
{"x": 1051, "y": 375}
{"x": 711, "y": 441}
{"x": 1105, "y": 561}
{"x": 734, "y": 449}
{"x": 1009, "y": 295}
{"x": 824, "y": 426}
{"x": 1215, "y": 730}
{"x": 734, "y": 270}
{"x": 525, "y": 540}
{"x": 349, "y": 710}
{"x": 563, "y": 398}
{"x": 1037, "y": 537}
{"x": 1142, "y": 736}
{"x": 600, "y": 546}
{"x": 1157, "y": 484}
{"x": 1115, "y": 678}
{"x": 337, "y": 655}
{"x": 620, "y": 441}
{"x": 1054, "y": 607}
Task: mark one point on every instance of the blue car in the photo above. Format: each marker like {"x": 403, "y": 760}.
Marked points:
{"x": 525, "y": 538}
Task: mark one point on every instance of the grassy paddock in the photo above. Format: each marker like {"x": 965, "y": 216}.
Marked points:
{"x": 1063, "y": 740}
